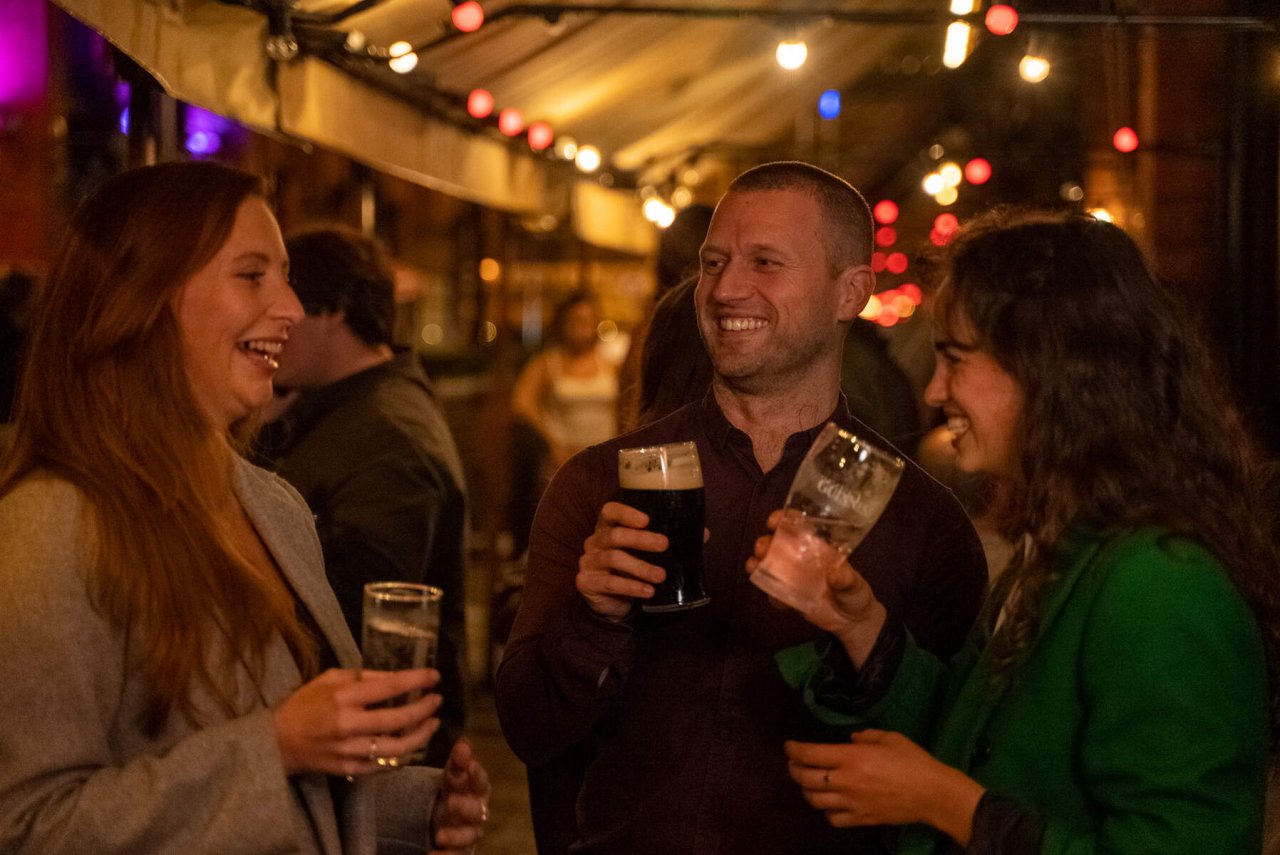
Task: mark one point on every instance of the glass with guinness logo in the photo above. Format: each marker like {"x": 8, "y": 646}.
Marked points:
{"x": 841, "y": 488}
{"x": 665, "y": 482}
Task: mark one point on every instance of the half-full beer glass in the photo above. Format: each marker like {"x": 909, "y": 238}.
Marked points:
{"x": 839, "y": 492}
{"x": 399, "y": 629}
{"x": 665, "y": 482}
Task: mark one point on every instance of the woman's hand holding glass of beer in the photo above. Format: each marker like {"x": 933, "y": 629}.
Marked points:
{"x": 335, "y": 725}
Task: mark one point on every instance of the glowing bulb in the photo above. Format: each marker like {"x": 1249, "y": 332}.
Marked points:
{"x": 956, "y": 47}
{"x": 490, "y": 269}
{"x": 566, "y": 147}
{"x": 792, "y": 54}
{"x": 587, "y": 158}
{"x": 404, "y": 63}
{"x": 682, "y": 197}
{"x": 467, "y": 16}
{"x": 946, "y": 196}
{"x": 1002, "y": 20}
{"x": 666, "y": 217}
{"x": 933, "y": 184}
{"x": 886, "y": 236}
{"x": 1125, "y": 140}
{"x": 652, "y": 208}
{"x": 398, "y": 49}
{"x": 1033, "y": 69}
{"x": 946, "y": 224}
{"x": 479, "y": 103}
{"x": 896, "y": 262}
{"x": 878, "y": 261}
{"x": 885, "y": 212}
{"x": 870, "y": 310}
{"x": 977, "y": 171}
{"x": 829, "y": 104}
{"x": 540, "y": 136}
{"x": 961, "y": 7}
{"x": 951, "y": 174}
{"x": 510, "y": 121}
{"x": 1101, "y": 214}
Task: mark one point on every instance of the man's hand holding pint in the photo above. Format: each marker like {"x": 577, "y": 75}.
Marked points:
{"x": 609, "y": 578}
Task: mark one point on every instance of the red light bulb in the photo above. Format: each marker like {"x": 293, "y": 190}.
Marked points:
{"x": 511, "y": 121}
{"x": 540, "y": 136}
{"x": 1001, "y": 19}
{"x": 468, "y": 16}
{"x": 885, "y": 212}
{"x": 1125, "y": 140}
{"x": 878, "y": 262}
{"x": 896, "y": 262}
{"x": 479, "y": 103}
{"x": 886, "y": 236}
{"x": 977, "y": 171}
{"x": 946, "y": 224}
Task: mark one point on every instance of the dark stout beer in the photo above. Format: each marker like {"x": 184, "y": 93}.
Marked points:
{"x": 665, "y": 482}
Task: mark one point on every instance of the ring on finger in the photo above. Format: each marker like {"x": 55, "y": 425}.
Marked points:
{"x": 484, "y": 811}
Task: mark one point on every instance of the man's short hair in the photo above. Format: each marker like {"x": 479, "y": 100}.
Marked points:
{"x": 845, "y": 214}
{"x": 338, "y": 269}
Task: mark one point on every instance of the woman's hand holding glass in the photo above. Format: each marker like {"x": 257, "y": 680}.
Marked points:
{"x": 327, "y": 725}
{"x": 848, "y": 608}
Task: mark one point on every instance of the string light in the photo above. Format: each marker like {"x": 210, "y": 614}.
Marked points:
{"x": 1101, "y": 214}
{"x": 792, "y": 54}
{"x": 403, "y": 59}
{"x": 946, "y": 196}
{"x": 1125, "y": 139}
{"x": 977, "y": 171}
{"x": 962, "y": 7}
{"x": 1034, "y": 69}
{"x": 829, "y": 104}
{"x": 1002, "y": 20}
{"x": 587, "y": 158}
{"x": 566, "y": 147}
{"x": 896, "y": 263}
{"x": 480, "y": 103}
{"x": 885, "y": 212}
{"x": 510, "y": 121}
{"x": 467, "y": 16}
{"x": 951, "y": 174}
{"x": 886, "y": 236}
{"x": 956, "y": 48}
{"x": 540, "y": 136}
{"x": 933, "y": 184}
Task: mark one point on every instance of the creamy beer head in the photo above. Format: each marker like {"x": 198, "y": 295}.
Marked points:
{"x": 660, "y": 467}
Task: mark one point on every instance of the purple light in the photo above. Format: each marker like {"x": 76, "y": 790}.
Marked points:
{"x": 208, "y": 133}
{"x": 203, "y": 143}
{"x": 124, "y": 121}
{"x": 24, "y": 61}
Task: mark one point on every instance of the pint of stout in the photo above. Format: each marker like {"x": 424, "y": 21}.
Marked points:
{"x": 665, "y": 482}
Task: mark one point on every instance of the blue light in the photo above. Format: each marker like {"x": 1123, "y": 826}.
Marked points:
{"x": 124, "y": 121}
{"x": 829, "y": 104}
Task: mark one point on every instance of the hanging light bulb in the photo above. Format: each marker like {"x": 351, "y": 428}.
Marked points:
{"x": 587, "y": 158}
{"x": 479, "y": 103}
{"x": 951, "y": 174}
{"x": 946, "y": 196}
{"x": 1034, "y": 69}
{"x": 403, "y": 59}
{"x": 961, "y": 7}
{"x": 977, "y": 171}
{"x": 956, "y": 48}
{"x": 791, "y": 54}
{"x": 885, "y": 212}
{"x": 467, "y": 16}
{"x": 511, "y": 121}
{"x": 1125, "y": 140}
{"x": 933, "y": 184}
{"x": 540, "y": 136}
{"x": 1002, "y": 19}
{"x": 829, "y": 104}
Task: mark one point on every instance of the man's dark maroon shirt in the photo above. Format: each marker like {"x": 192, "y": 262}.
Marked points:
{"x": 683, "y": 715}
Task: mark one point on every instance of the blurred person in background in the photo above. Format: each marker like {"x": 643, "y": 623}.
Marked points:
{"x": 366, "y": 444}
{"x": 177, "y": 673}
{"x": 1119, "y": 693}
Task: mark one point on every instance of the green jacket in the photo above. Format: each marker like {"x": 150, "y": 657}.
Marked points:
{"x": 1137, "y": 725}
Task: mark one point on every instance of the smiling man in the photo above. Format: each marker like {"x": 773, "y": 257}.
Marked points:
{"x": 676, "y": 722}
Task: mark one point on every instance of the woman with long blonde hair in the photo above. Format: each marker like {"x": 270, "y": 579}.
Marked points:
{"x": 177, "y": 675}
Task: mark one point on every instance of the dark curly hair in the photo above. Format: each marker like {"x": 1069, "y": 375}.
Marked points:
{"x": 1125, "y": 423}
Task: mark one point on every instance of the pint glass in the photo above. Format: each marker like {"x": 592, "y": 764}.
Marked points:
{"x": 838, "y": 493}
{"x": 665, "y": 482}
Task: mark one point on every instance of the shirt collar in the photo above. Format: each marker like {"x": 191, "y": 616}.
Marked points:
{"x": 720, "y": 430}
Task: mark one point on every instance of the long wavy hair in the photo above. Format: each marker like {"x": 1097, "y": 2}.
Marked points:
{"x": 1123, "y": 417}
{"x": 105, "y": 403}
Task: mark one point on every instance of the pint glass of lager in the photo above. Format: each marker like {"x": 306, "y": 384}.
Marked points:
{"x": 665, "y": 482}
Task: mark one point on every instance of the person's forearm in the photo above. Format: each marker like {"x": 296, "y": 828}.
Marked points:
{"x": 953, "y": 801}
{"x": 859, "y": 636}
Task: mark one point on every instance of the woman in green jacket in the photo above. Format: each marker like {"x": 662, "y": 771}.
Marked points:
{"x": 1116, "y": 696}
